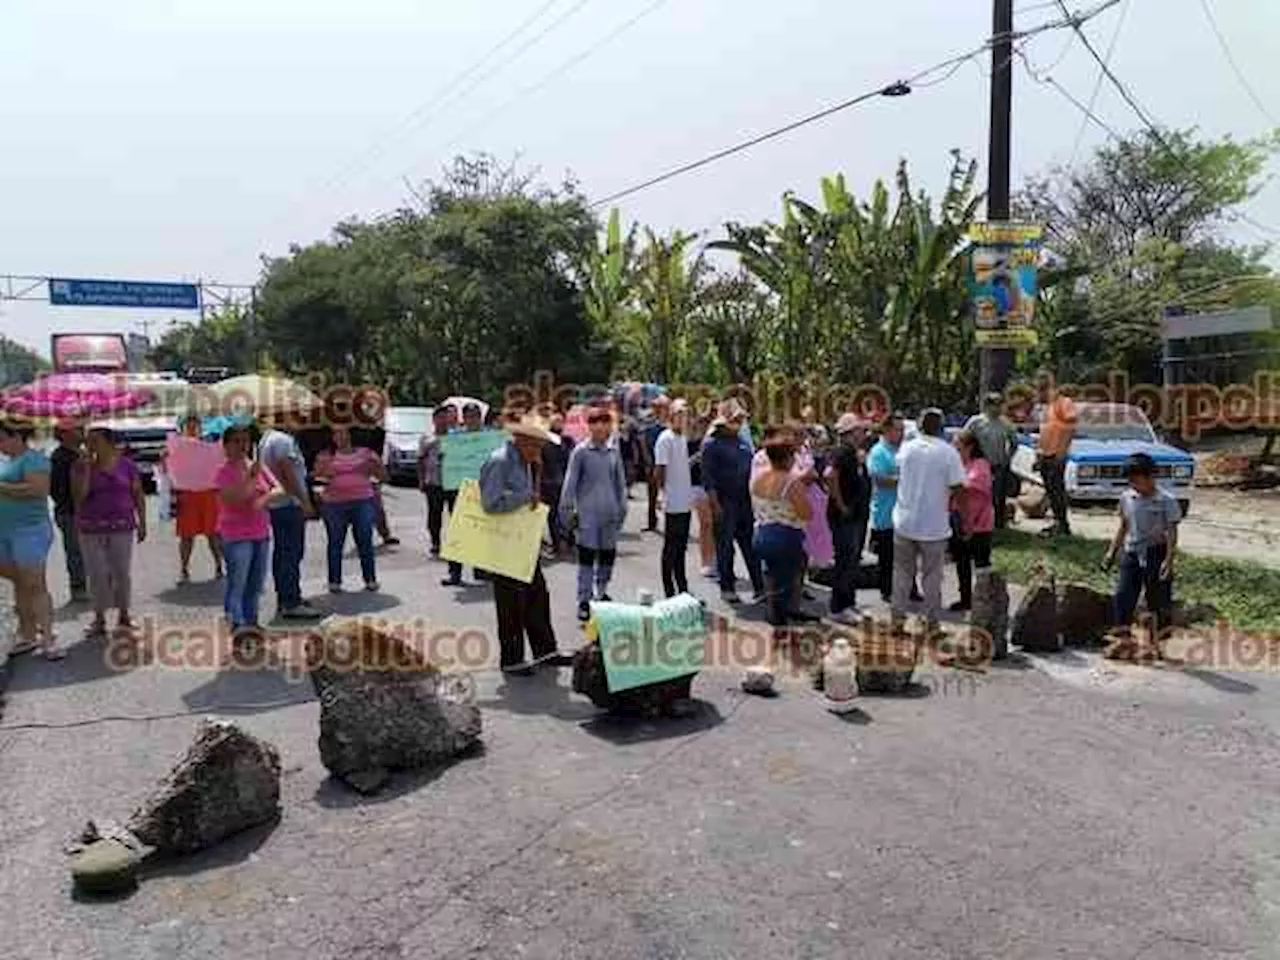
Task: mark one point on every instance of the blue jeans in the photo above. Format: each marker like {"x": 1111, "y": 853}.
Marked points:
{"x": 781, "y": 551}
{"x": 289, "y": 533}
{"x": 246, "y": 573}
{"x": 359, "y": 516}
{"x": 1140, "y": 575}
{"x": 733, "y": 525}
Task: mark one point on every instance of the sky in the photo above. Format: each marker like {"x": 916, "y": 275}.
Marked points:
{"x": 173, "y": 140}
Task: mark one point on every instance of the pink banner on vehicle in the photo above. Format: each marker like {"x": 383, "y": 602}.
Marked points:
{"x": 192, "y": 464}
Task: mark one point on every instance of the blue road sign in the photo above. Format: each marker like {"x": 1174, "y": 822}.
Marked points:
{"x": 123, "y": 293}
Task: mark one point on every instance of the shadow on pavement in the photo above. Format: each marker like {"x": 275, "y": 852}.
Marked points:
{"x": 333, "y": 794}
{"x": 242, "y": 691}
{"x": 230, "y": 851}
{"x": 198, "y": 593}
{"x": 540, "y": 694}
{"x": 85, "y": 662}
{"x": 621, "y": 730}
{"x": 1014, "y": 661}
{"x": 1220, "y": 682}
{"x": 912, "y": 691}
{"x": 856, "y": 716}
{"x": 352, "y": 604}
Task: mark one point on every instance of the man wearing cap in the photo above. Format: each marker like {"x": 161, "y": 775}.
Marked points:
{"x": 848, "y": 510}
{"x": 929, "y": 473}
{"x": 726, "y": 476}
{"x": 998, "y": 439}
{"x": 509, "y": 481}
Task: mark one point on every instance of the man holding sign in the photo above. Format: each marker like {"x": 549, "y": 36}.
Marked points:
{"x": 462, "y": 453}
{"x": 509, "y": 481}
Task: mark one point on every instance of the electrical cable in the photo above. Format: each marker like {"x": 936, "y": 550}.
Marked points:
{"x": 1097, "y": 84}
{"x": 1048, "y": 81}
{"x": 897, "y": 88}
{"x": 1235, "y": 67}
{"x": 559, "y": 71}
{"x": 1076, "y": 22}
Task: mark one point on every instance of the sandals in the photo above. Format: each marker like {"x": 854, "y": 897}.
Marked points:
{"x": 53, "y": 653}
{"x": 27, "y": 646}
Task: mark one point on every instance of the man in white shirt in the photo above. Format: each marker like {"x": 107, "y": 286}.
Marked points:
{"x": 671, "y": 475}
{"x": 929, "y": 472}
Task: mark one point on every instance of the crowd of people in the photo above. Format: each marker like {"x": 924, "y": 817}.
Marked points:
{"x": 800, "y": 503}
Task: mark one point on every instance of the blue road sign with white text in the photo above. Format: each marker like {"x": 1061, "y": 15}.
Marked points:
{"x": 123, "y": 293}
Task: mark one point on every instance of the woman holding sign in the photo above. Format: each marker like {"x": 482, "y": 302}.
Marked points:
{"x": 348, "y": 501}
{"x": 197, "y": 504}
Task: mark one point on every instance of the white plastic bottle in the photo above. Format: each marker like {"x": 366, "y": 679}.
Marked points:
{"x": 837, "y": 672}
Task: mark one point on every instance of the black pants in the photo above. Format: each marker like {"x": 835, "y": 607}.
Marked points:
{"x": 1001, "y": 482}
{"x": 1141, "y": 575}
{"x": 735, "y": 524}
{"x": 1053, "y": 471}
{"x": 882, "y": 543}
{"x": 523, "y": 609}
{"x": 675, "y": 544}
{"x": 437, "y": 500}
{"x": 550, "y": 494}
{"x": 975, "y": 551}
{"x": 847, "y": 536}
{"x": 652, "y": 482}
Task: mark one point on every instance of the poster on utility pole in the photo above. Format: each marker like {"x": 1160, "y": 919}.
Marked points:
{"x": 1002, "y": 283}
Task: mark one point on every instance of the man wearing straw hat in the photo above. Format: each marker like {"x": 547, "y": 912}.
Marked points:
{"x": 509, "y": 481}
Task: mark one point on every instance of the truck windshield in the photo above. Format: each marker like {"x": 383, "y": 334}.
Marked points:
{"x": 1113, "y": 423}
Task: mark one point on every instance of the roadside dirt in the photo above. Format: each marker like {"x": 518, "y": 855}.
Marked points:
{"x": 1238, "y": 525}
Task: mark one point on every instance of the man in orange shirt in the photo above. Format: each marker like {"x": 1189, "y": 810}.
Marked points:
{"x": 1057, "y": 430}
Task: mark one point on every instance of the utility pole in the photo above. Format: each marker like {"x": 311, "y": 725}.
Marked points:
{"x": 994, "y": 364}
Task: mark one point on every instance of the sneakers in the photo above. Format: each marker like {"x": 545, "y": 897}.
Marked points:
{"x": 759, "y": 598}
{"x": 303, "y": 611}
{"x": 959, "y": 607}
{"x": 521, "y": 669}
{"x": 372, "y": 586}
{"x": 335, "y": 588}
{"x": 451, "y": 582}
{"x": 730, "y": 597}
{"x": 584, "y": 611}
{"x": 849, "y": 615}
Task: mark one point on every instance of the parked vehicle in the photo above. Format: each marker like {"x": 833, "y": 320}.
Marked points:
{"x": 1107, "y": 435}
{"x": 89, "y": 353}
{"x": 406, "y": 428}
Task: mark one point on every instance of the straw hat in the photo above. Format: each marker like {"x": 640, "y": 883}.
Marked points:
{"x": 728, "y": 410}
{"x": 534, "y": 428}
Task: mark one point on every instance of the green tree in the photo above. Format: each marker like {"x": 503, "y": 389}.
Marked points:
{"x": 223, "y": 339}
{"x": 1138, "y": 227}
{"x": 18, "y": 364}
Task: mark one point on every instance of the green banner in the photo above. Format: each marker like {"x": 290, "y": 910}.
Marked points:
{"x": 642, "y": 645}
{"x": 462, "y": 455}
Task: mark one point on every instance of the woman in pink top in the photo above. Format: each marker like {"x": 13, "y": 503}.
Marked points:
{"x": 348, "y": 501}
{"x": 244, "y": 525}
{"x": 971, "y": 545}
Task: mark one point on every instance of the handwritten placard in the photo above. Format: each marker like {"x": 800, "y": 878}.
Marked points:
{"x": 462, "y": 454}
{"x": 642, "y": 645}
{"x": 192, "y": 464}
{"x": 504, "y": 543}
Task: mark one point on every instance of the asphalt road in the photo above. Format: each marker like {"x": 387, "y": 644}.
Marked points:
{"x": 1064, "y": 809}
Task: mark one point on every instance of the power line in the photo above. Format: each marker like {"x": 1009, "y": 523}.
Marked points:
{"x": 897, "y": 88}
{"x": 1077, "y": 25}
{"x": 1152, "y": 127}
{"x": 1048, "y": 81}
{"x": 558, "y": 71}
{"x": 1235, "y": 67}
{"x": 1097, "y": 84}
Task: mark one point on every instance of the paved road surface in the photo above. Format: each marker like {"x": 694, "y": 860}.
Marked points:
{"x": 1067, "y": 809}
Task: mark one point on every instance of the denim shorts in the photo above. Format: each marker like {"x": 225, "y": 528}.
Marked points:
{"x": 26, "y": 546}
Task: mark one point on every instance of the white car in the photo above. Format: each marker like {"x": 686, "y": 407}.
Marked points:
{"x": 407, "y": 428}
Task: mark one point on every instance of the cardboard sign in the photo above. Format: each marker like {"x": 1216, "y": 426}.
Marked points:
{"x": 642, "y": 645}
{"x": 192, "y": 464}
{"x": 462, "y": 454}
{"x": 504, "y": 543}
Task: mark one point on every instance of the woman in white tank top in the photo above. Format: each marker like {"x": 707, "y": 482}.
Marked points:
{"x": 781, "y": 507}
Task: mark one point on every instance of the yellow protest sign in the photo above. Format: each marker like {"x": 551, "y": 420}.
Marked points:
{"x": 503, "y": 543}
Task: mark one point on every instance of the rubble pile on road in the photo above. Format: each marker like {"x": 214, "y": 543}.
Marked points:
{"x": 382, "y": 706}
{"x": 228, "y": 782}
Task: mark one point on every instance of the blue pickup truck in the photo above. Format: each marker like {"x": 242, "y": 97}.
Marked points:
{"x": 1107, "y": 435}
